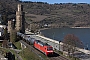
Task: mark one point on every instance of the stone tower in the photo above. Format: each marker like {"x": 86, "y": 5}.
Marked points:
{"x": 20, "y": 26}
{"x": 9, "y": 26}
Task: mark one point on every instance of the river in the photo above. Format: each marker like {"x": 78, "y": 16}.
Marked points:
{"x": 59, "y": 33}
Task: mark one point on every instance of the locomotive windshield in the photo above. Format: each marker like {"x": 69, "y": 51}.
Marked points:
{"x": 49, "y": 48}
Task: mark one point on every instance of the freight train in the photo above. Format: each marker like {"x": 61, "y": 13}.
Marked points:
{"x": 43, "y": 47}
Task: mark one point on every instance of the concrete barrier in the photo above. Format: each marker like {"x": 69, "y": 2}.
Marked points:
{"x": 23, "y": 46}
{"x": 83, "y": 50}
{"x": 47, "y": 39}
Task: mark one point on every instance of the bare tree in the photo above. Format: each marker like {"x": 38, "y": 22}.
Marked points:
{"x": 34, "y": 27}
{"x": 70, "y": 42}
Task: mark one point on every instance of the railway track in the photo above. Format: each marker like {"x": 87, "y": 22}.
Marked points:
{"x": 38, "y": 53}
{"x": 54, "y": 57}
{"x": 57, "y": 57}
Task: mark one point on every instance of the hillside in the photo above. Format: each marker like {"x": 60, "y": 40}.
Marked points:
{"x": 56, "y": 15}
{"x": 63, "y": 14}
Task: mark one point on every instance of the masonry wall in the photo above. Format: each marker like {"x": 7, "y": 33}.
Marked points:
{"x": 20, "y": 20}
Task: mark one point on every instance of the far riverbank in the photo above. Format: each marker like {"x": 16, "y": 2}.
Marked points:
{"x": 62, "y": 27}
{"x": 79, "y": 27}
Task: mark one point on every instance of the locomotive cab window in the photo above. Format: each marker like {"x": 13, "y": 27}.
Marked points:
{"x": 49, "y": 48}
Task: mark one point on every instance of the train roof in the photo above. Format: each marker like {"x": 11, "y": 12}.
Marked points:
{"x": 41, "y": 43}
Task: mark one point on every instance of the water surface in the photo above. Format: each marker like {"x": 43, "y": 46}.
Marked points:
{"x": 59, "y": 33}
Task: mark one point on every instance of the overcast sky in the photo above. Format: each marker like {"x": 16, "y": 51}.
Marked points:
{"x": 60, "y": 1}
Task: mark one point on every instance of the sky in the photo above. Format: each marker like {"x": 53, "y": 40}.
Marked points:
{"x": 60, "y": 1}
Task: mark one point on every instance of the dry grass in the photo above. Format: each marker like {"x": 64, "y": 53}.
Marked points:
{"x": 36, "y": 18}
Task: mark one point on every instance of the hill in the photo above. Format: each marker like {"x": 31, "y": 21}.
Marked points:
{"x": 63, "y": 14}
{"x": 56, "y": 15}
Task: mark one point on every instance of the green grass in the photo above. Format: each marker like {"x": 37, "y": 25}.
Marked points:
{"x": 28, "y": 55}
{"x": 18, "y": 45}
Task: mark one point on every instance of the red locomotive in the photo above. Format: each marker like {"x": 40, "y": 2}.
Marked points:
{"x": 45, "y": 48}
